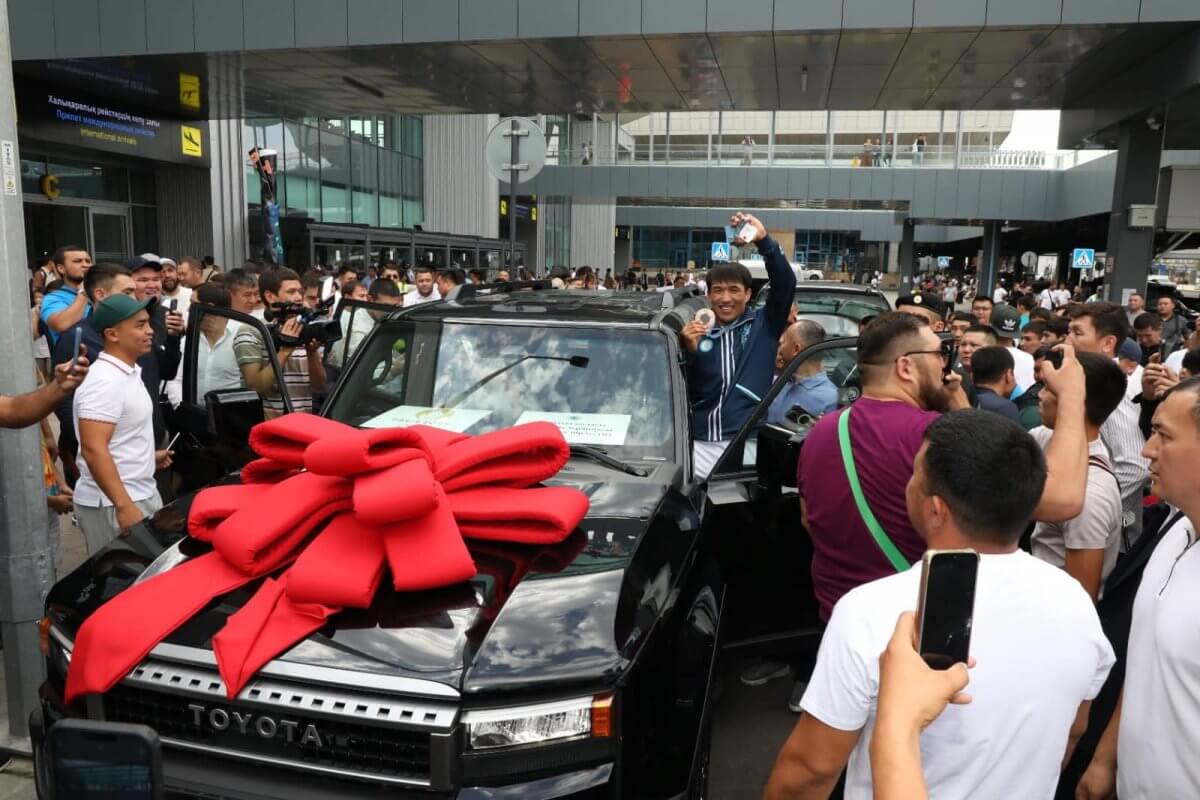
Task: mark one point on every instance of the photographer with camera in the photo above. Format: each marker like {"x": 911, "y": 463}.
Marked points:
{"x": 299, "y": 358}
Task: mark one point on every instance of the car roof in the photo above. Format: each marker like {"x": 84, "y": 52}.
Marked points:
{"x": 625, "y": 308}
{"x": 834, "y": 286}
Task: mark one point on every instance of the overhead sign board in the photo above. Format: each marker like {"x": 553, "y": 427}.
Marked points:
{"x": 1083, "y": 258}
{"x": 720, "y": 251}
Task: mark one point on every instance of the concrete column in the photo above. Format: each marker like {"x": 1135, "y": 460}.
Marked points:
{"x": 460, "y": 196}
{"x": 989, "y": 262}
{"x": 908, "y": 257}
{"x": 1138, "y": 161}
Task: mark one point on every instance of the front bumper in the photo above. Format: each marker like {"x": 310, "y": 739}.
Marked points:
{"x": 194, "y": 775}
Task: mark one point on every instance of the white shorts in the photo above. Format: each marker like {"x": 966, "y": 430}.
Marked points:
{"x": 705, "y": 456}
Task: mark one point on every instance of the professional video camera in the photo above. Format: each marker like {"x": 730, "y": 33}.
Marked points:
{"x": 317, "y": 324}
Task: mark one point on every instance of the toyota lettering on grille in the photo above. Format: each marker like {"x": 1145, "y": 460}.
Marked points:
{"x": 262, "y": 725}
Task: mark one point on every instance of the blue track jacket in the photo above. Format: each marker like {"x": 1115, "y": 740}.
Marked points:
{"x": 727, "y": 382}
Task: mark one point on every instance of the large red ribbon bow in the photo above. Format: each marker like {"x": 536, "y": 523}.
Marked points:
{"x": 394, "y": 498}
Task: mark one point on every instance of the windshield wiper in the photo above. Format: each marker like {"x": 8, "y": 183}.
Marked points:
{"x": 574, "y": 361}
{"x": 599, "y": 456}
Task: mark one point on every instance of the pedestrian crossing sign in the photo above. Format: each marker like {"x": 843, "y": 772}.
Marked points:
{"x": 1083, "y": 258}
{"x": 720, "y": 251}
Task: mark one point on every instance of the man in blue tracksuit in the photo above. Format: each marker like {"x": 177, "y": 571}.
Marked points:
{"x": 731, "y": 367}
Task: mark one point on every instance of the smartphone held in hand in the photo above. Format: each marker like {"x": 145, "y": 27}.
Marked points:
{"x": 946, "y": 606}
{"x": 748, "y": 233}
{"x": 78, "y": 342}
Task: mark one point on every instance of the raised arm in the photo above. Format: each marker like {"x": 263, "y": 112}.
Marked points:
{"x": 1066, "y": 453}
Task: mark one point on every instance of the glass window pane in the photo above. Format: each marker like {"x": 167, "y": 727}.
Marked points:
{"x": 91, "y": 181}
{"x": 141, "y": 187}
{"x": 32, "y": 171}
{"x": 145, "y": 229}
{"x": 335, "y": 176}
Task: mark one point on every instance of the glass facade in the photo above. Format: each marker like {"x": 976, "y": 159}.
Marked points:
{"x": 360, "y": 170}
{"x": 673, "y": 248}
{"x": 556, "y": 219}
{"x": 827, "y": 250}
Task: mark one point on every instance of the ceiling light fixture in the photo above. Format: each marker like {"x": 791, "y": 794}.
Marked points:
{"x": 362, "y": 87}
{"x": 804, "y": 79}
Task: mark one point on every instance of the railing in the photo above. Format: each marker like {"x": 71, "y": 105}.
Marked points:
{"x": 873, "y": 156}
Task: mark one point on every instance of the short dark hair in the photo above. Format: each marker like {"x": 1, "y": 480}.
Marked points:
{"x": 476, "y": 273}
{"x": 1058, "y": 327}
{"x": 982, "y": 298}
{"x": 101, "y": 276}
{"x": 344, "y": 268}
{"x": 730, "y": 273}
{"x": 1191, "y": 361}
{"x": 382, "y": 288}
{"x": 1043, "y": 314}
{"x": 423, "y": 268}
{"x": 214, "y": 295}
{"x": 988, "y": 471}
{"x": 883, "y": 336}
{"x": 272, "y": 280}
{"x": 986, "y": 330}
{"x": 989, "y": 364}
{"x": 1027, "y": 302}
{"x": 349, "y": 286}
{"x": 239, "y": 278}
{"x": 60, "y": 255}
{"x": 1036, "y": 326}
{"x": 1109, "y": 319}
{"x": 1146, "y": 321}
{"x": 1104, "y": 382}
{"x": 455, "y": 274}
{"x": 312, "y": 279}
{"x": 962, "y": 316}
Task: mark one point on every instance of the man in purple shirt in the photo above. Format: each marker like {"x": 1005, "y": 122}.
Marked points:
{"x": 901, "y": 361}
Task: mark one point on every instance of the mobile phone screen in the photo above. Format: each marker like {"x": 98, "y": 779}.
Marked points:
{"x": 947, "y": 606}
{"x": 98, "y": 766}
{"x": 747, "y": 233}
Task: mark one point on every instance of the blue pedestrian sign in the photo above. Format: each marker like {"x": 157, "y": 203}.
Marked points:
{"x": 720, "y": 251}
{"x": 1083, "y": 258}
{"x": 943, "y": 262}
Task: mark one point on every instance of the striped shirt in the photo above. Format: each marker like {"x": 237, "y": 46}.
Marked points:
{"x": 1123, "y": 437}
{"x": 249, "y": 348}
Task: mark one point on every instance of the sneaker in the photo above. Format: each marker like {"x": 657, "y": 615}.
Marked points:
{"x": 796, "y": 696}
{"x": 764, "y": 671}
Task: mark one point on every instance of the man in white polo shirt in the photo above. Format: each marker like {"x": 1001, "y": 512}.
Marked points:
{"x": 1150, "y": 743}
{"x": 114, "y": 421}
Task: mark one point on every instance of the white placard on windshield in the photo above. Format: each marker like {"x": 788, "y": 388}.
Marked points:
{"x": 600, "y": 429}
{"x": 458, "y": 420}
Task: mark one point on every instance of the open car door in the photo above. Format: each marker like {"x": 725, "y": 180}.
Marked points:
{"x": 754, "y": 511}
{"x": 230, "y": 367}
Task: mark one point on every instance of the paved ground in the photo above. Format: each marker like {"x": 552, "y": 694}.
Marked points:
{"x": 16, "y": 782}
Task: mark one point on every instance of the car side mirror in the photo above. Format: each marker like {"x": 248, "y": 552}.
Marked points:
{"x": 232, "y": 413}
{"x": 778, "y": 454}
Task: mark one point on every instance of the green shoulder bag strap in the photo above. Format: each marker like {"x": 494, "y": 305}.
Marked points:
{"x": 885, "y": 543}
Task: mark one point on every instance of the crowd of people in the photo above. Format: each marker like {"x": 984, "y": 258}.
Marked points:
{"x": 1052, "y": 434}
{"x": 1035, "y": 431}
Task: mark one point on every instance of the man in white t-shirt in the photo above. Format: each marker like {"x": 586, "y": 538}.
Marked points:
{"x": 1041, "y": 654}
{"x": 1151, "y": 740}
{"x": 1000, "y": 294}
{"x": 114, "y": 421}
{"x": 172, "y": 287}
{"x": 426, "y": 291}
{"x": 1006, "y": 322}
{"x": 1087, "y": 546}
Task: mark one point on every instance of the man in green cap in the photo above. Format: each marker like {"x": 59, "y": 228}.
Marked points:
{"x": 114, "y": 421}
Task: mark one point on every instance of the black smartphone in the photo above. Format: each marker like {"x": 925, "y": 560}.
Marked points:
{"x": 946, "y": 606}
{"x": 91, "y": 760}
{"x": 951, "y": 354}
{"x": 78, "y": 340}
{"x": 173, "y": 305}
{"x": 1055, "y": 357}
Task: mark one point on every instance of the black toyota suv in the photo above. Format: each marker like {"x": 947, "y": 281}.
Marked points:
{"x": 584, "y": 669}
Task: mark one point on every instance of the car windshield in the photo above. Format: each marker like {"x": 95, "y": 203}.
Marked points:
{"x": 811, "y": 300}
{"x": 603, "y": 387}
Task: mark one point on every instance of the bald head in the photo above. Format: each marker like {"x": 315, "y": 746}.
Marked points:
{"x": 798, "y": 336}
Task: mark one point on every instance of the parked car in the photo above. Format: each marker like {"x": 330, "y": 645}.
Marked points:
{"x": 584, "y": 669}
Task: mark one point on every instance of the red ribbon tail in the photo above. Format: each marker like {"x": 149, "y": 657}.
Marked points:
{"x": 123, "y": 631}
{"x": 268, "y": 625}
{"x": 427, "y": 552}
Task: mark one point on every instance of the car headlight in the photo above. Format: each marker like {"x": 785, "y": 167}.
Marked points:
{"x": 583, "y": 717}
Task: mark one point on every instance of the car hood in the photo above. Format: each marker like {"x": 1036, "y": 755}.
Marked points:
{"x": 533, "y": 615}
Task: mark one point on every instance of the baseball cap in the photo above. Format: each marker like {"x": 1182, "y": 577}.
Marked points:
{"x": 1006, "y": 321}
{"x": 166, "y": 261}
{"x": 1130, "y": 351}
{"x": 116, "y": 309}
{"x": 923, "y": 300}
{"x": 145, "y": 260}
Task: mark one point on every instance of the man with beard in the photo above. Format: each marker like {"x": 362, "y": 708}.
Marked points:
{"x": 862, "y": 534}
{"x": 172, "y": 287}
{"x": 426, "y": 291}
